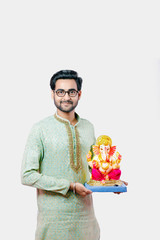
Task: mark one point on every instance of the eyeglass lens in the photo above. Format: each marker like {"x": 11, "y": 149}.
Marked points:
{"x": 71, "y": 92}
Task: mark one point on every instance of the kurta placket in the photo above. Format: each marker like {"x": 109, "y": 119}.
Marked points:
{"x": 74, "y": 144}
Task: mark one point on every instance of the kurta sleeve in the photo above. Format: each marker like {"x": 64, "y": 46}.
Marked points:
{"x": 32, "y": 157}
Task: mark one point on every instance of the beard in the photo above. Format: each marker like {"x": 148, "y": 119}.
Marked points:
{"x": 69, "y": 107}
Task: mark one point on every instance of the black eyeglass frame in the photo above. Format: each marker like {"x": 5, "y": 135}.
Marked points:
{"x": 69, "y": 91}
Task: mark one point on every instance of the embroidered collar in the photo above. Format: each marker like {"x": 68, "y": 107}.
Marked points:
{"x": 64, "y": 120}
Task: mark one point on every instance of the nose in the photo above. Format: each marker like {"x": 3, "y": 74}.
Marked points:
{"x": 66, "y": 96}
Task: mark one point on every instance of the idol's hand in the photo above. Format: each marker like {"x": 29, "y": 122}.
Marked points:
{"x": 80, "y": 189}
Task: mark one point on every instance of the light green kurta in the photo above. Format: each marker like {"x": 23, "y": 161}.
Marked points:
{"x": 55, "y": 156}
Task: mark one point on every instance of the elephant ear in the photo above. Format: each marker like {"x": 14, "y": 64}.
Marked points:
{"x": 112, "y": 150}
{"x": 96, "y": 149}
{"x": 119, "y": 156}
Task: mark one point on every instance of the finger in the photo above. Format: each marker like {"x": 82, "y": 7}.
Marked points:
{"x": 88, "y": 191}
{"x": 126, "y": 183}
{"x": 83, "y": 194}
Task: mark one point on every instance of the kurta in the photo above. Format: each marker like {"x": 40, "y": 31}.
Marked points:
{"x": 55, "y": 156}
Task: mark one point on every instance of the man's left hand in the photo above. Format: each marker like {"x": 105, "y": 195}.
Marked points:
{"x": 126, "y": 183}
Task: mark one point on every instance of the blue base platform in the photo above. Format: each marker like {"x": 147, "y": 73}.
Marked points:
{"x": 121, "y": 188}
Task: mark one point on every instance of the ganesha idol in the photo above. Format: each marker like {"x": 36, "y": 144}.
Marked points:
{"x": 104, "y": 160}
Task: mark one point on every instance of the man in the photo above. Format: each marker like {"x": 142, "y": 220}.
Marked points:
{"x": 55, "y": 163}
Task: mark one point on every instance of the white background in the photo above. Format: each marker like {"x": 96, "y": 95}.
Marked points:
{"x": 114, "y": 46}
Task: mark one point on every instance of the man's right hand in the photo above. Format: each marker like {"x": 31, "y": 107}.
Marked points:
{"x": 80, "y": 189}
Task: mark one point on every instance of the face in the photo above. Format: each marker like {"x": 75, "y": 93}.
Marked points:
{"x": 104, "y": 149}
{"x": 66, "y": 104}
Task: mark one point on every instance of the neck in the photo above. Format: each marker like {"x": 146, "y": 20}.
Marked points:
{"x": 69, "y": 116}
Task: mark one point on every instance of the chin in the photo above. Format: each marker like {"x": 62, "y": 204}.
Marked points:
{"x": 66, "y": 110}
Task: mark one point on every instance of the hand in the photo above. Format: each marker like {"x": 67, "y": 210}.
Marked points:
{"x": 126, "y": 183}
{"x": 80, "y": 189}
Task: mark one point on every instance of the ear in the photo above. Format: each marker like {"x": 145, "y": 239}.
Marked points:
{"x": 79, "y": 94}
{"x": 52, "y": 94}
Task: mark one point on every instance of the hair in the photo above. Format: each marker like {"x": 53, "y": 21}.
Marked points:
{"x": 66, "y": 74}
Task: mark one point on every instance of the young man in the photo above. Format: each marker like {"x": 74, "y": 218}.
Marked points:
{"x": 55, "y": 163}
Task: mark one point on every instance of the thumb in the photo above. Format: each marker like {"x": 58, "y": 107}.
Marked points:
{"x": 88, "y": 191}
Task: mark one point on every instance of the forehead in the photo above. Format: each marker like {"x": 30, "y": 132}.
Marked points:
{"x": 66, "y": 84}
{"x": 102, "y": 146}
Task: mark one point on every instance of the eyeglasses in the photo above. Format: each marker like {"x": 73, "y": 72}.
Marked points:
{"x": 62, "y": 92}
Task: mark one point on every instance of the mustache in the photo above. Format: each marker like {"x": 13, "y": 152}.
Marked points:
{"x": 68, "y": 101}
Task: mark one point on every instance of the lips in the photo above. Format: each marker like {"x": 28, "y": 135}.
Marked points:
{"x": 66, "y": 104}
